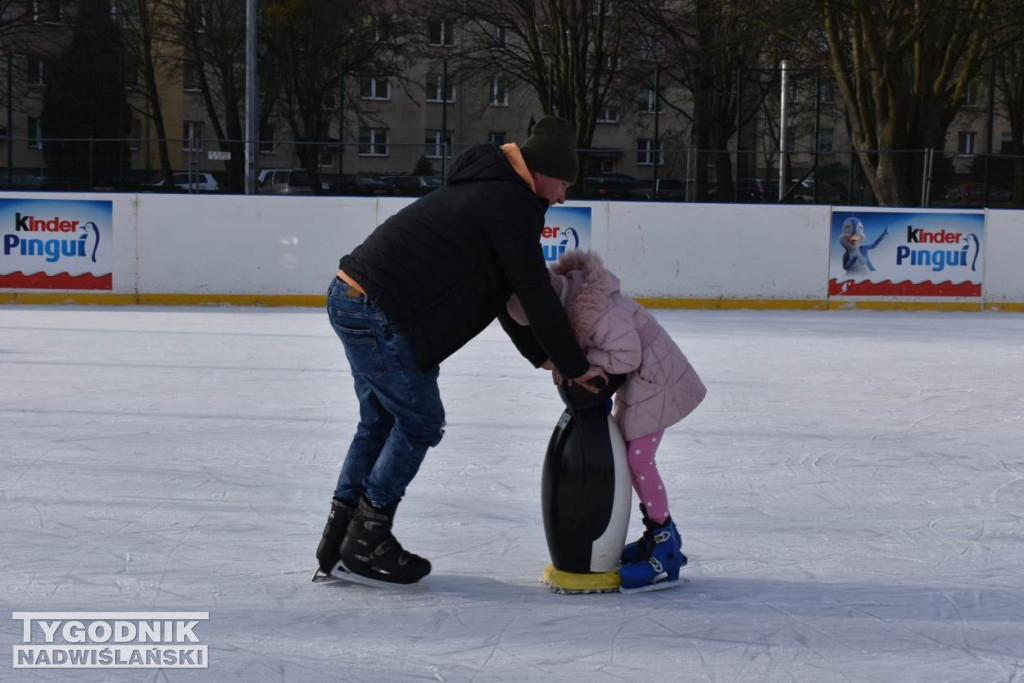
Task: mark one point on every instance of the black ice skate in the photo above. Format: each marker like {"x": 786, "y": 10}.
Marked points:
{"x": 329, "y": 551}
{"x": 372, "y": 555}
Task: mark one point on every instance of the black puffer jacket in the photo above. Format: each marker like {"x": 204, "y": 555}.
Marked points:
{"x": 445, "y": 266}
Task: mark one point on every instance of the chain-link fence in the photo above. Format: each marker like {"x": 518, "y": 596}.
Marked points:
{"x": 376, "y": 166}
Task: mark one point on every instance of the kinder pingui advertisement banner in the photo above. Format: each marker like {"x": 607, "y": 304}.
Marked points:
{"x": 566, "y": 228}
{"x": 56, "y": 244}
{"x": 913, "y": 253}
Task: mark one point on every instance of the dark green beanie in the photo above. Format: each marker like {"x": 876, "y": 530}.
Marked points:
{"x": 549, "y": 150}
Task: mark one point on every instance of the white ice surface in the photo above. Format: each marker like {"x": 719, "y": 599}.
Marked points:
{"x": 850, "y": 496}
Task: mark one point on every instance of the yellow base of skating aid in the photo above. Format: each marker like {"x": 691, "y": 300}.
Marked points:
{"x": 571, "y": 583}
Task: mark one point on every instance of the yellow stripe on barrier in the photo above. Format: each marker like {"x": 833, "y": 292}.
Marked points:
{"x": 63, "y": 298}
{"x": 730, "y": 304}
{"x": 311, "y": 300}
{"x": 846, "y": 305}
{"x": 320, "y": 300}
{"x": 100, "y": 299}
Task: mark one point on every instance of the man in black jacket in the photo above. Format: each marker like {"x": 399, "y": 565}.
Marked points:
{"x": 423, "y": 284}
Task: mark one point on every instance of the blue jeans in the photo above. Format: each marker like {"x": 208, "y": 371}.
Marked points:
{"x": 400, "y": 410}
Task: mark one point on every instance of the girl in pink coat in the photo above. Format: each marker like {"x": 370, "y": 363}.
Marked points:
{"x": 661, "y": 388}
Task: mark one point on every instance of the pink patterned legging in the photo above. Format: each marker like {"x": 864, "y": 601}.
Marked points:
{"x": 646, "y": 480}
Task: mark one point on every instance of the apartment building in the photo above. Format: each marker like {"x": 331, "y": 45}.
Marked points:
{"x": 392, "y": 123}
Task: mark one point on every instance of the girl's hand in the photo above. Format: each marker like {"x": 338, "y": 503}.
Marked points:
{"x": 584, "y": 380}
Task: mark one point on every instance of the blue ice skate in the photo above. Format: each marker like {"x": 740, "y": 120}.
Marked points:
{"x": 658, "y": 565}
{"x": 638, "y": 548}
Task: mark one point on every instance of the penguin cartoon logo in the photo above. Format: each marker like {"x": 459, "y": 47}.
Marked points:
{"x": 571, "y": 240}
{"x": 96, "y": 235}
{"x": 851, "y": 238}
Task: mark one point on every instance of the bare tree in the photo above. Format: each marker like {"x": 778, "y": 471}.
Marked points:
{"x": 713, "y": 48}
{"x": 21, "y": 20}
{"x": 902, "y": 69}
{"x": 32, "y": 34}
{"x": 311, "y": 44}
{"x": 1009, "y": 68}
{"x": 571, "y": 53}
{"x": 210, "y": 35}
{"x": 144, "y": 26}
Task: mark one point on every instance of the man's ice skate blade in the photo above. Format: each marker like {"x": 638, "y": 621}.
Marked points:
{"x": 337, "y": 573}
{"x": 570, "y": 583}
{"x": 659, "y": 586}
{"x": 320, "y": 577}
{"x": 343, "y": 573}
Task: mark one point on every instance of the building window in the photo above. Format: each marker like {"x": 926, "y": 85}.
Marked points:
{"x": 190, "y": 74}
{"x": 434, "y": 88}
{"x": 267, "y": 139}
{"x": 433, "y": 144}
{"x": 127, "y": 10}
{"x": 373, "y": 142}
{"x": 611, "y": 62}
{"x": 499, "y": 93}
{"x": 498, "y": 36}
{"x": 35, "y": 133}
{"x": 790, "y": 145}
{"x": 971, "y": 96}
{"x": 649, "y": 102}
{"x": 793, "y": 89}
{"x": 198, "y": 12}
{"x": 48, "y": 10}
{"x": 192, "y": 133}
{"x": 129, "y": 72}
{"x": 135, "y": 136}
{"x": 36, "y": 71}
{"x": 374, "y": 88}
{"x": 608, "y": 114}
{"x": 601, "y": 6}
{"x": 825, "y": 141}
{"x": 439, "y": 32}
{"x": 607, "y": 166}
{"x": 547, "y": 39}
{"x": 965, "y": 142}
{"x": 496, "y": 137}
{"x": 645, "y": 152}
{"x": 325, "y": 159}
{"x": 826, "y": 92}
{"x": 652, "y": 50}
{"x": 378, "y": 27}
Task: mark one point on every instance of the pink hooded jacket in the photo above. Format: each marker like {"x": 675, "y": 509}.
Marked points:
{"x": 622, "y": 337}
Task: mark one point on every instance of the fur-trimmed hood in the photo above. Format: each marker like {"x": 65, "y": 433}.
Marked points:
{"x": 583, "y": 285}
{"x": 622, "y": 337}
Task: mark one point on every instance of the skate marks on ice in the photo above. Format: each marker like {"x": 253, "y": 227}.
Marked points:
{"x": 850, "y": 496}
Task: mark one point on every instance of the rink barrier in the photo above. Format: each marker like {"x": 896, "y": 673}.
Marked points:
{"x": 197, "y": 250}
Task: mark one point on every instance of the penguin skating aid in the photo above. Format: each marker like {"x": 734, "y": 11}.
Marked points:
{"x": 585, "y": 493}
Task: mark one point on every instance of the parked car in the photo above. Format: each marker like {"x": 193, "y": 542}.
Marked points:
{"x": 744, "y": 190}
{"x": 363, "y": 185}
{"x": 609, "y": 186}
{"x": 24, "y": 181}
{"x": 294, "y": 181}
{"x": 973, "y": 193}
{"x": 750, "y": 190}
{"x": 198, "y": 181}
{"x": 412, "y": 185}
{"x": 669, "y": 190}
{"x": 802, "y": 192}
